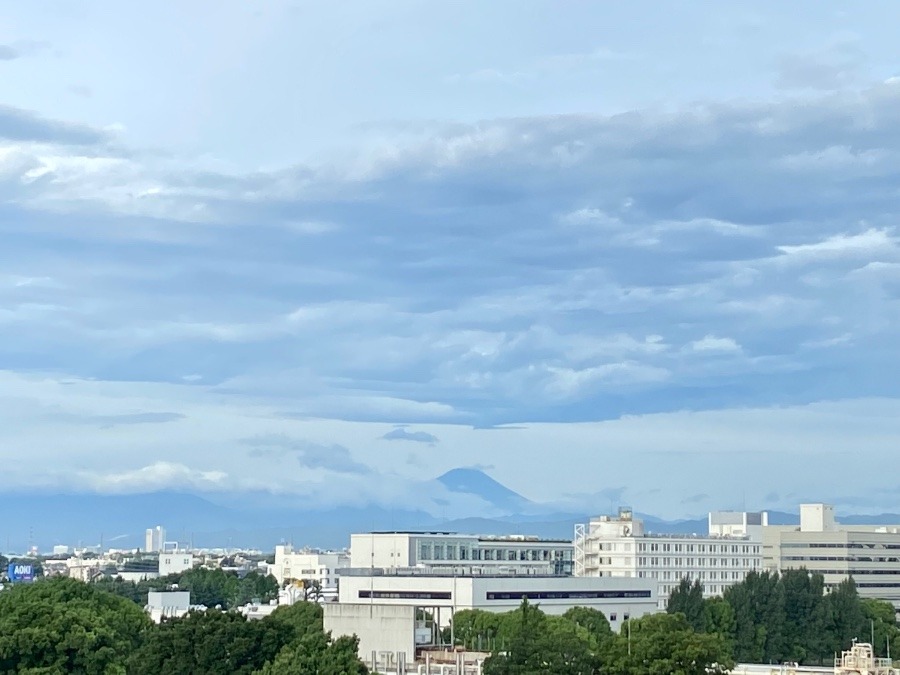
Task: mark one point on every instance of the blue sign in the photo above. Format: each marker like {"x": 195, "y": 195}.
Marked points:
{"x": 20, "y": 572}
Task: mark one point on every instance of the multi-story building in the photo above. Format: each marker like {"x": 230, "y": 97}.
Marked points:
{"x": 870, "y": 554}
{"x": 308, "y": 565}
{"x": 446, "y": 550}
{"x": 154, "y": 539}
{"x": 619, "y": 546}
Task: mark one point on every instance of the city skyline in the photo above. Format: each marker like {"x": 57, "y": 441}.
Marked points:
{"x": 329, "y": 255}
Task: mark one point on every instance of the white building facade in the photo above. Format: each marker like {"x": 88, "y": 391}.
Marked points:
{"x": 167, "y": 604}
{"x": 154, "y": 539}
{"x": 870, "y": 554}
{"x": 175, "y": 562}
{"x": 446, "y": 550}
{"x": 618, "y": 546}
{"x": 311, "y": 565}
{"x": 618, "y": 599}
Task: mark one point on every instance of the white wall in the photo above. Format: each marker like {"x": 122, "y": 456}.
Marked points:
{"x": 481, "y": 592}
{"x": 382, "y": 550}
{"x": 173, "y": 563}
{"x": 381, "y": 628}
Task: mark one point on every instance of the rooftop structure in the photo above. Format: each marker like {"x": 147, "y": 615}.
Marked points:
{"x": 860, "y": 659}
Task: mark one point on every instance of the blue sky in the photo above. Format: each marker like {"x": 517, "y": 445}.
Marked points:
{"x": 609, "y": 252}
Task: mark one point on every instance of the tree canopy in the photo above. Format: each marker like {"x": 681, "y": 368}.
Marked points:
{"x": 60, "y": 625}
{"x": 772, "y": 618}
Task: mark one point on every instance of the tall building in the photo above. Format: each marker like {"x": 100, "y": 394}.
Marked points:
{"x": 446, "y": 550}
{"x": 868, "y": 553}
{"x": 619, "y": 546}
{"x": 155, "y": 539}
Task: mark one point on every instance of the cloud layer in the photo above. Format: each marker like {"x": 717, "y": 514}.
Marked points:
{"x": 391, "y": 310}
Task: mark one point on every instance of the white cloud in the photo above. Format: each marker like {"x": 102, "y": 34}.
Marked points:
{"x": 156, "y": 476}
{"x": 711, "y": 343}
{"x": 876, "y": 242}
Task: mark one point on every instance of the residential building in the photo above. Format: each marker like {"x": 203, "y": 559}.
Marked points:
{"x": 154, "y": 539}
{"x": 445, "y": 550}
{"x": 308, "y": 565}
{"x": 868, "y": 553}
{"x": 175, "y": 562}
{"x": 619, "y": 546}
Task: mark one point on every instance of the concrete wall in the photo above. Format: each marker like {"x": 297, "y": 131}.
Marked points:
{"x": 380, "y": 628}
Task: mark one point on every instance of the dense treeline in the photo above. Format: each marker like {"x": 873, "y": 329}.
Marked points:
{"x": 528, "y": 642}
{"x": 772, "y": 618}
{"x": 211, "y": 588}
{"x": 60, "y": 625}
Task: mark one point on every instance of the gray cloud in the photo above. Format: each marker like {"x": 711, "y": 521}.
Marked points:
{"x": 8, "y": 53}
{"x": 334, "y": 457}
{"x": 691, "y": 277}
{"x": 402, "y": 434}
{"x": 22, "y": 125}
{"x": 696, "y": 499}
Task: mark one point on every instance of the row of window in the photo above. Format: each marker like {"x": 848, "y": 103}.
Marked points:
{"x": 508, "y": 595}
{"x": 430, "y": 551}
{"x": 747, "y": 563}
{"x": 702, "y": 576}
{"x": 847, "y": 545}
{"x": 744, "y": 549}
{"x": 840, "y": 558}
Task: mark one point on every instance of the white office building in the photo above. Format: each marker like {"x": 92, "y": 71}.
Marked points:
{"x": 382, "y": 608}
{"x": 868, "y": 553}
{"x": 154, "y": 539}
{"x": 308, "y": 564}
{"x": 446, "y": 550}
{"x": 619, "y": 546}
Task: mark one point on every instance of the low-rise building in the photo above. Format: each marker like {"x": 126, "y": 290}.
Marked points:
{"x": 619, "y": 546}
{"x": 435, "y": 550}
{"x": 167, "y": 604}
{"x": 309, "y": 565}
{"x": 385, "y": 609}
{"x": 175, "y": 562}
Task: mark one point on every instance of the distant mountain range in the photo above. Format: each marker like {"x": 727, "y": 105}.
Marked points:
{"x": 260, "y": 521}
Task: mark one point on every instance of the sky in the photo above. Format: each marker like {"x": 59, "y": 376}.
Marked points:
{"x": 609, "y": 253}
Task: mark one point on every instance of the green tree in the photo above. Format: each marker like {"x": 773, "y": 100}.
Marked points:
{"x": 687, "y": 599}
{"x": 593, "y": 621}
{"x": 804, "y": 617}
{"x": 718, "y": 619}
{"x": 665, "y": 644}
{"x": 759, "y": 618}
{"x": 297, "y": 620}
{"x": 61, "y": 625}
{"x": 477, "y": 629}
{"x": 211, "y": 642}
{"x": 844, "y": 616}
{"x": 882, "y": 621}
{"x": 521, "y": 631}
{"x": 316, "y": 654}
